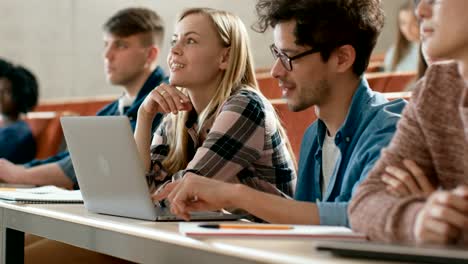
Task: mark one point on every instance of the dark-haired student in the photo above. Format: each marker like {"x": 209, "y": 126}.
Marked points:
{"x": 132, "y": 38}
{"x": 18, "y": 95}
{"x": 428, "y": 155}
{"x": 320, "y": 60}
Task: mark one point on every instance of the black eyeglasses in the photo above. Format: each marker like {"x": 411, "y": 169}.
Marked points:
{"x": 286, "y": 61}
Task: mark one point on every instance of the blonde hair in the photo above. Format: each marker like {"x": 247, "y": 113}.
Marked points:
{"x": 238, "y": 74}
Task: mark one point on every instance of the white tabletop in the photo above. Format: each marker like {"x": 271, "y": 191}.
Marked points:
{"x": 164, "y": 234}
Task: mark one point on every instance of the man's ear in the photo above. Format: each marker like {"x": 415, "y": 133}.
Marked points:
{"x": 152, "y": 54}
{"x": 344, "y": 57}
{"x": 225, "y": 59}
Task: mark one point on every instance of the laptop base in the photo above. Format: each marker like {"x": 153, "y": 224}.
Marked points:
{"x": 395, "y": 252}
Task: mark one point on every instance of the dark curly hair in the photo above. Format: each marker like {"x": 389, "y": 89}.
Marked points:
{"x": 328, "y": 24}
{"x": 4, "y": 66}
{"x": 25, "y": 89}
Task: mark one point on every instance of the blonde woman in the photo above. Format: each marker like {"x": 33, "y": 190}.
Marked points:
{"x": 218, "y": 124}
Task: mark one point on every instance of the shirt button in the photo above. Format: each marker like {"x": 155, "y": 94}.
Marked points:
{"x": 131, "y": 118}
{"x": 348, "y": 139}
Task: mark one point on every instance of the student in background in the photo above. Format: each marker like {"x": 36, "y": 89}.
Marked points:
{"x": 403, "y": 55}
{"x": 319, "y": 62}
{"x": 429, "y": 151}
{"x": 218, "y": 124}
{"x": 132, "y": 39}
{"x": 18, "y": 95}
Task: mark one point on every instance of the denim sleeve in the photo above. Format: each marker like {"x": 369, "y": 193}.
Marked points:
{"x": 333, "y": 213}
{"x": 52, "y": 159}
{"x": 67, "y": 167}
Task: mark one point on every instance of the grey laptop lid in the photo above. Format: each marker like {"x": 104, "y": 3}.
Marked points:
{"x": 110, "y": 172}
{"x": 398, "y": 252}
{"x": 108, "y": 168}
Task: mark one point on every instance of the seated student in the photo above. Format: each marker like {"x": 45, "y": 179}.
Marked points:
{"x": 403, "y": 55}
{"x": 218, "y": 124}
{"x": 430, "y": 147}
{"x": 132, "y": 38}
{"x": 320, "y": 61}
{"x": 18, "y": 95}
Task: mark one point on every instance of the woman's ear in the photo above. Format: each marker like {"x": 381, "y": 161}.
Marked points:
{"x": 225, "y": 59}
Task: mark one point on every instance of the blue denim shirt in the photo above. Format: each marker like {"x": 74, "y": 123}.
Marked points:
{"x": 63, "y": 159}
{"x": 368, "y": 127}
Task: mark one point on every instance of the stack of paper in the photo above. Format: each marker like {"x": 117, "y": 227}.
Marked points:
{"x": 266, "y": 230}
{"x": 45, "y": 194}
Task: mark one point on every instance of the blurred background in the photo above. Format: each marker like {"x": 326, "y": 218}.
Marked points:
{"x": 61, "y": 40}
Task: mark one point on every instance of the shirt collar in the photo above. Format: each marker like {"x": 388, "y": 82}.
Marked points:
{"x": 156, "y": 77}
{"x": 359, "y": 104}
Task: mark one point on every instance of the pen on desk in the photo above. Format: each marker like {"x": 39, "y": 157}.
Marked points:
{"x": 241, "y": 226}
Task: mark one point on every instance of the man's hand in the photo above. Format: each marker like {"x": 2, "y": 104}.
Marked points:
{"x": 196, "y": 193}
{"x": 11, "y": 173}
{"x": 408, "y": 180}
{"x": 443, "y": 218}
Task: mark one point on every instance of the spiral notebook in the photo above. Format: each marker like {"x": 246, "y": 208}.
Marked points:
{"x": 44, "y": 194}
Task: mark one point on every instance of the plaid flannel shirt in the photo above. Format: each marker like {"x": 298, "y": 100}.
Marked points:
{"x": 240, "y": 143}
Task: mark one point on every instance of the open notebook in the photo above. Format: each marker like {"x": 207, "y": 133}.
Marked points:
{"x": 299, "y": 231}
{"x": 44, "y": 194}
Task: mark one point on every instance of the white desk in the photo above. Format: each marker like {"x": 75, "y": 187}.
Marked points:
{"x": 143, "y": 241}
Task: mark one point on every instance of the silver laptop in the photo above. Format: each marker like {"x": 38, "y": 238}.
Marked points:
{"x": 111, "y": 174}
{"x": 398, "y": 252}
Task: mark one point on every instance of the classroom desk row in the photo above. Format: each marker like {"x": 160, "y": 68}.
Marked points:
{"x": 143, "y": 241}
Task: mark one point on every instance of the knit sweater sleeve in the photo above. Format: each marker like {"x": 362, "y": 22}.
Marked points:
{"x": 373, "y": 210}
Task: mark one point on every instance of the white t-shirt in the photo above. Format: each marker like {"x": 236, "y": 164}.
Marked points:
{"x": 125, "y": 101}
{"x": 330, "y": 154}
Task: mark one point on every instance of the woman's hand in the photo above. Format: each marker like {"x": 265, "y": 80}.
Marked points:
{"x": 408, "y": 180}
{"x": 166, "y": 99}
{"x": 444, "y": 217}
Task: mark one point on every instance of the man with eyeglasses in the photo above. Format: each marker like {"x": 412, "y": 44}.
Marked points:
{"x": 322, "y": 49}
